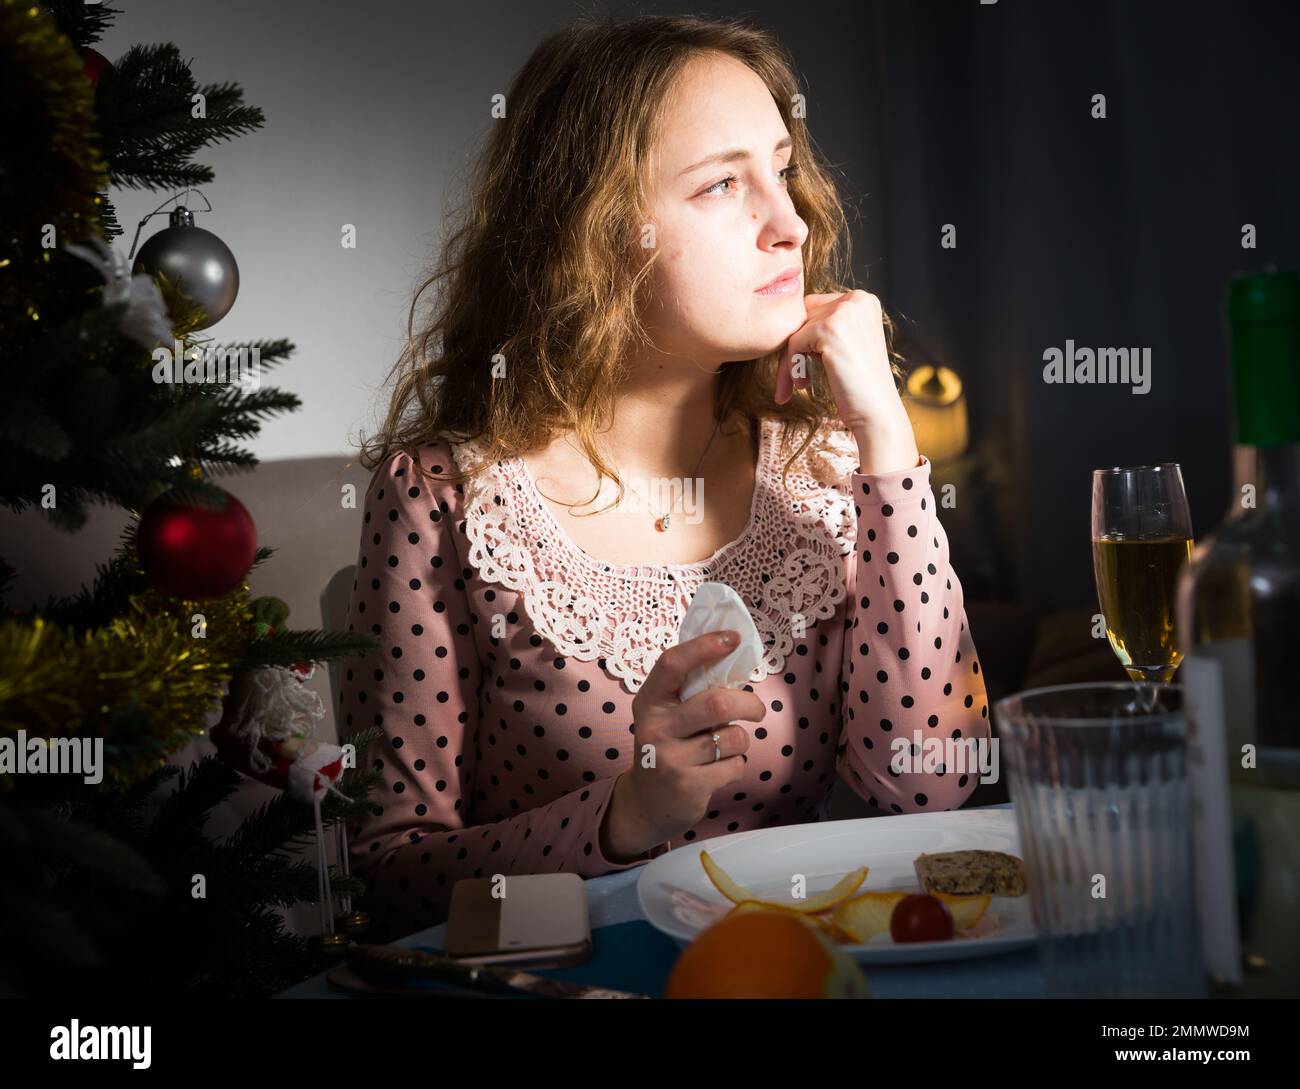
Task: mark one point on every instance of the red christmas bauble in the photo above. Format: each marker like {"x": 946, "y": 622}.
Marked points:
{"x": 196, "y": 552}
{"x": 96, "y": 64}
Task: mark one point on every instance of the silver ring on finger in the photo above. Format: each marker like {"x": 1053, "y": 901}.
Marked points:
{"x": 717, "y": 752}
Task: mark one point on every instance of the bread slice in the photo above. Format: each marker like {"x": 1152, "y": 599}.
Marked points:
{"x": 971, "y": 872}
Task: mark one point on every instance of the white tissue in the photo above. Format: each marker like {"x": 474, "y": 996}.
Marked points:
{"x": 717, "y": 607}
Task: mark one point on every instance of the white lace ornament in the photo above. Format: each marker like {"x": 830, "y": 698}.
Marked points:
{"x": 787, "y": 566}
{"x": 145, "y": 320}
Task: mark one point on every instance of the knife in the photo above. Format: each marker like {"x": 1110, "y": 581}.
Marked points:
{"x": 389, "y": 961}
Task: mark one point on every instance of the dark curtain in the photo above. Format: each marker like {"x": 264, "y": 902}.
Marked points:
{"x": 1111, "y": 233}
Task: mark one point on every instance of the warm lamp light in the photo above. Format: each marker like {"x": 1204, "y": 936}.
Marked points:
{"x": 937, "y": 408}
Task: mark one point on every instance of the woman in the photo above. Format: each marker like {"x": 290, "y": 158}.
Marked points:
{"x": 607, "y": 317}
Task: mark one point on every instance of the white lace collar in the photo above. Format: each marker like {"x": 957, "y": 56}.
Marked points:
{"x": 787, "y": 566}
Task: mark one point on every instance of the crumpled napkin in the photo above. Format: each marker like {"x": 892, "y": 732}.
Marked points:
{"x": 717, "y": 607}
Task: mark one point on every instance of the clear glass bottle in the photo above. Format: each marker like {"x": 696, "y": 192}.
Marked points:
{"x": 1239, "y": 624}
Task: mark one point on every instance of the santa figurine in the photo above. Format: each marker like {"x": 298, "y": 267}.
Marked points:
{"x": 269, "y": 719}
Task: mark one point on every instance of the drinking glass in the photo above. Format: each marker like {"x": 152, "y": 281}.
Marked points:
{"x": 1141, "y": 536}
{"x": 1098, "y": 779}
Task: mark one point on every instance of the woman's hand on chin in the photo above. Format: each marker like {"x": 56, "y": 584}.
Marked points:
{"x": 846, "y": 332}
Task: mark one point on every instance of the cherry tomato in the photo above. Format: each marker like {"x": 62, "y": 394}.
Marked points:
{"x": 921, "y": 917}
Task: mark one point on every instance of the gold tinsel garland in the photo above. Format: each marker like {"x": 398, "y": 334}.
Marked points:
{"x": 47, "y": 115}
{"x": 54, "y": 682}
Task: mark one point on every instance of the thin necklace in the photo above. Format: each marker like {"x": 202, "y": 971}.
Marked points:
{"x": 661, "y": 523}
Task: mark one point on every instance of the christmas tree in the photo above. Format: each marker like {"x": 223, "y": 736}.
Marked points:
{"x": 112, "y": 885}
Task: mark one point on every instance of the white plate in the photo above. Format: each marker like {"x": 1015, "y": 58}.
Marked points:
{"x": 677, "y": 896}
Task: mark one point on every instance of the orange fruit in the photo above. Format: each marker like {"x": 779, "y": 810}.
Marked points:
{"x": 827, "y": 926}
{"x": 763, "y": 905}
{"x": 764, "y": 953}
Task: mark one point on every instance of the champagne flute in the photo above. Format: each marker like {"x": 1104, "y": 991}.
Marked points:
{"x": 1141, "y": 537}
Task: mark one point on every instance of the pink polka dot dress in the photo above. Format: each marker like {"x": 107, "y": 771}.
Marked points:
{"x": 510, "y": 658}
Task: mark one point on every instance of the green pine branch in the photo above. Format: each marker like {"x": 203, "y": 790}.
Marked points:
{"x": 90, "y": 852}
{"x": 224, "y": 458}
{"x": 107, "y": 596}
{"x": 243, "y": 406}
{"x": 180, "y": 819}
{"x": 173, "y": 428}
{"x": 121, "y": 812}
{"x": 256, "y": 960}
{"x": 52, "y": 934}
{"x": 110, "y": 227}
{"x": 61, "y": 347}
{"x": 30, "y": 431}
{"x": 131, "y": 735}
{"x": 149, "y": 133}
{"x": 140, "y": 428}
{"x": 55, "y": 868}
{"x": 83, "y": 23}
{"x": 262, "y": 554}
{"x": 287, "y": 647}
{"x": 361, "y": 739}
{"x": 282, "y": 821}
{"x": 268, "y": 353}
{"x": 239, "y": 413}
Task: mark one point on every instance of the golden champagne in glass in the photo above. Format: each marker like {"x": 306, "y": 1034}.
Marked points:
{"x": 1141, "y": 537}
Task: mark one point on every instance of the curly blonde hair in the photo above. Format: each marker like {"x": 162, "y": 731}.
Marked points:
{"x": 545, "y": 265}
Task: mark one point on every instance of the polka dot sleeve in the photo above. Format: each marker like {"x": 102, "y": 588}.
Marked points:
{"x": 421, "y": 687}
{"x": 910, "y": 668}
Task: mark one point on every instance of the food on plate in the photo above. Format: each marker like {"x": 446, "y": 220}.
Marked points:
{"x": 797, "y": 961}
{"x": 966, "y": 911}
{"x": 828, "y": 926}
{"x": 866, "y": 915}
{"x": 969, "y": 872}
{"x": 823, "y": 901}
{"x": 920, "y": 917}
{"x": 850, "y": 919}
{"x": 871, "y": 913}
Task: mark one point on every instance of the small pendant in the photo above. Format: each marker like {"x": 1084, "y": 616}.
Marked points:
{"x": 662, "y": 523}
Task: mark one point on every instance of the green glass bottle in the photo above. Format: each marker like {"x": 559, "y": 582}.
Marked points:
{"x": 1238, "y": 614}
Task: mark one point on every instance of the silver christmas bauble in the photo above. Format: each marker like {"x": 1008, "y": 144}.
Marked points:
{"x": 197, "y": 260}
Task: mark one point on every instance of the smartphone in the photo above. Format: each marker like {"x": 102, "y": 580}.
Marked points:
{"x": 529, "y": 920}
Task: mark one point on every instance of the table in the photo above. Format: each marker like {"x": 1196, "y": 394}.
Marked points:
{"x": 631, "y": 954}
